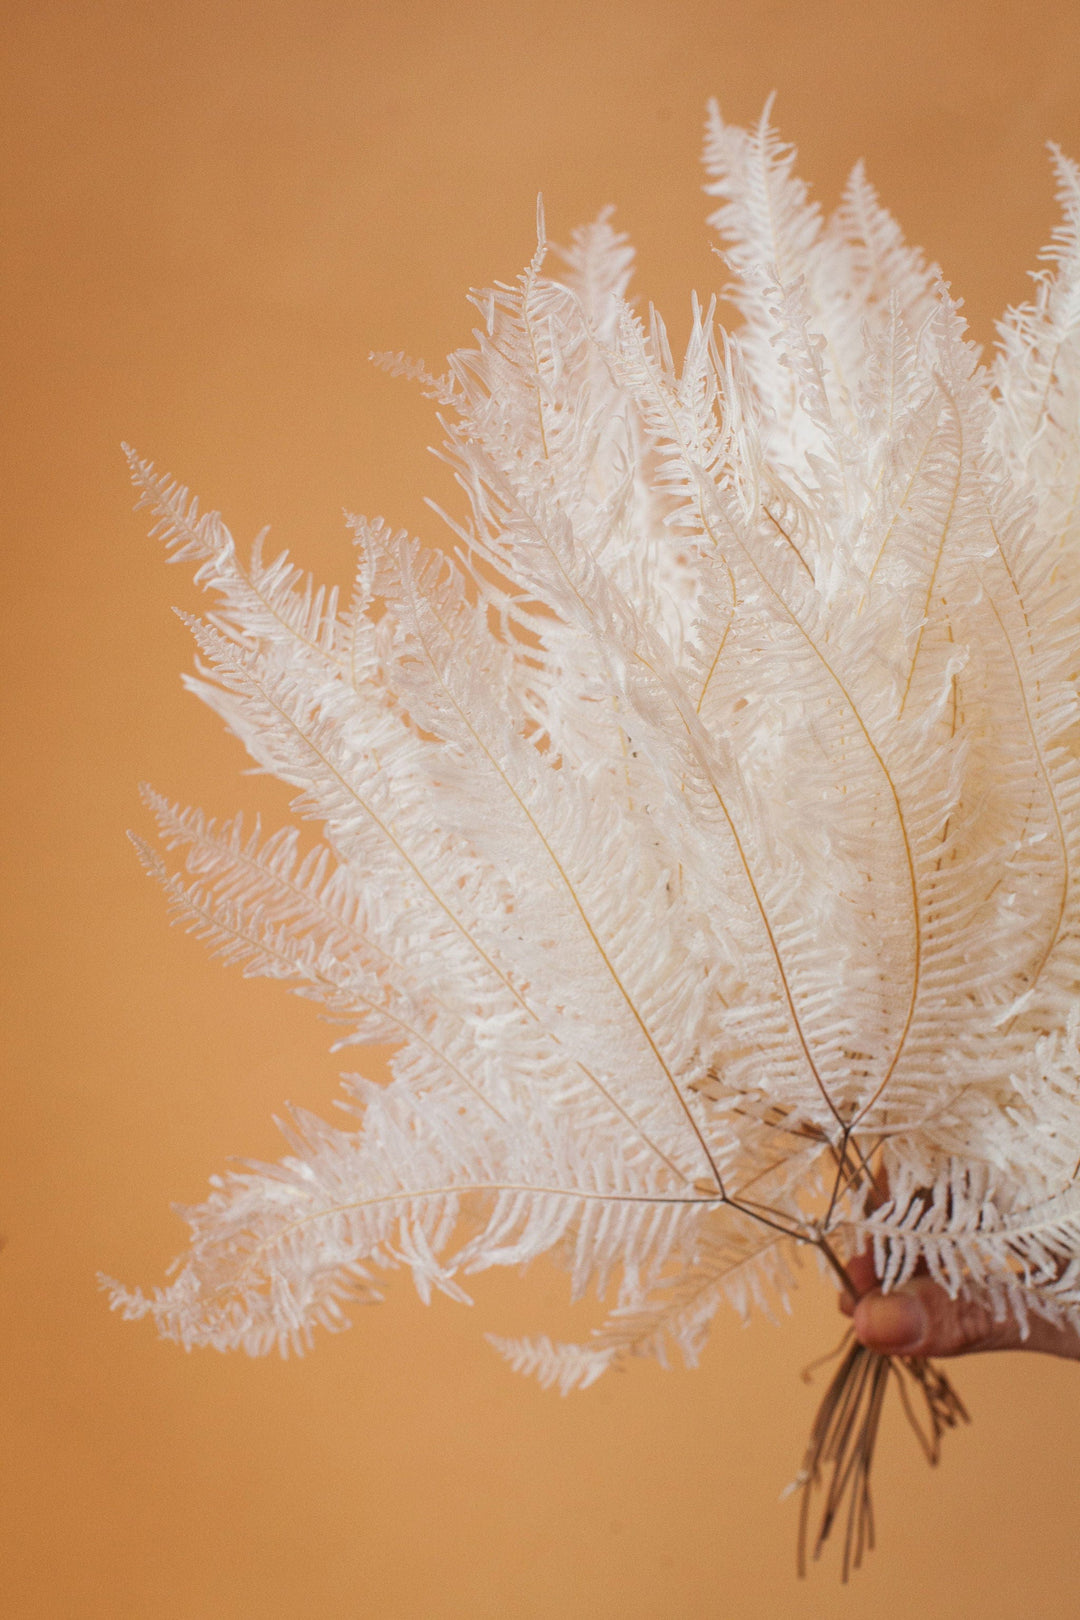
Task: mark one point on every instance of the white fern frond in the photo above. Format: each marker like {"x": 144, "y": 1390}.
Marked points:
{"x": 562, "y": 1366}
{"x": 704, "y": 834}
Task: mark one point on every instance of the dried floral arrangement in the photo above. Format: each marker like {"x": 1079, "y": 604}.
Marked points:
{"x": 702, "y": 834}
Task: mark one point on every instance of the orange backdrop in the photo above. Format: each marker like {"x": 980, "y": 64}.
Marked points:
{"x": 216, "y": 210}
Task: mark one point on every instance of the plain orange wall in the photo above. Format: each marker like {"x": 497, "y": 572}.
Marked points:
{"x": 214, "y": 211}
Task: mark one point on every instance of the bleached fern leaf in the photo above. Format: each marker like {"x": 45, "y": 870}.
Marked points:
{"x": 704, "y": 836}
{"x": 562, "y": 1366}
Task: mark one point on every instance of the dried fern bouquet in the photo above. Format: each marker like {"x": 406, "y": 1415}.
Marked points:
{"x": 704, "y": 835}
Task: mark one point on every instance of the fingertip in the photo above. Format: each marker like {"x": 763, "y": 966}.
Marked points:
{"x": 861, "y": 1271}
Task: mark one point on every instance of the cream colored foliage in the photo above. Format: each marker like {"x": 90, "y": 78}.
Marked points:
{"x": 705, "y": 836}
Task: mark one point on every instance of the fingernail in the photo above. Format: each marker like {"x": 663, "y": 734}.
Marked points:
{"x": 891, "y": 1322}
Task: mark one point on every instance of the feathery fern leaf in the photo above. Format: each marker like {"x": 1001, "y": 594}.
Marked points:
{"x": 704, "y": 835}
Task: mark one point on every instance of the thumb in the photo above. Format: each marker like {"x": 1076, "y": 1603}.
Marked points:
{"x": 920, "y": 1319}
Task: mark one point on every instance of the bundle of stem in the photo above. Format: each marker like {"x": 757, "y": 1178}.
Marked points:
{"x": 840, "y": 1452}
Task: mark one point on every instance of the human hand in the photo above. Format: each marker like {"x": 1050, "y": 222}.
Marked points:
{"x": 919, "y": 1319}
